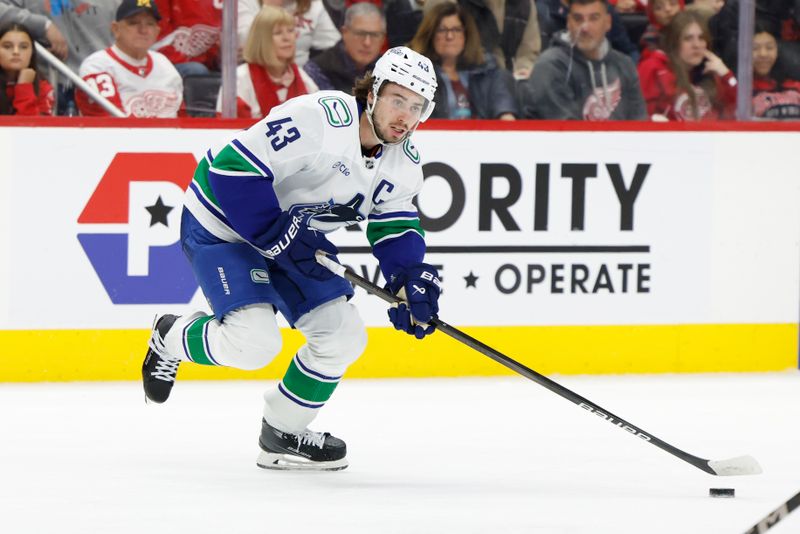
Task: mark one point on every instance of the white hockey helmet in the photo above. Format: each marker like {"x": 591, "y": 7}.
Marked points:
{"x": 410, "y": 69}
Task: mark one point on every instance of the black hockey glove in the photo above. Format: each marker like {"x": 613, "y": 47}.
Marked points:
{"x": 294, "y": 244}
{"x": 419, "y": 286}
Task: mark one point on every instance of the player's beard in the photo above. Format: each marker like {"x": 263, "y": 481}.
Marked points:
{"x": 388, "y": 135}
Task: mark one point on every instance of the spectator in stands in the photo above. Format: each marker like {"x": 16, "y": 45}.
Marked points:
{"x": 660, "y": 13}
{"x": 336, "y": 8}
{"x": 470, "y": 85}
{"x": 138, "y": 81}
{"x": 85, "y": 27}
{"x": 580, "y": 77}
{"x": 553, "y": 16}
{"x": 189, "y": 36}
{"x": 315, "y": 29}
{"x": 363, "y": 35}
{"x": 782, "y": 17}
{"x": 686, "y": 81}
{"x": 270, "y": 75}
{"x": 22, "y": 91}
{"x": 40, "y": 27}
{"x": 403, "y": 18}
{"x": 774, "y": 95}
{"x": 509, "y": 29}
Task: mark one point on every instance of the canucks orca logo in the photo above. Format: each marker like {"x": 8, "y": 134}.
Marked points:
{"x": 329, "y": 216}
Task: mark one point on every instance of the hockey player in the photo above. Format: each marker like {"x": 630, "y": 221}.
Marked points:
{"x": 256, "y": 213}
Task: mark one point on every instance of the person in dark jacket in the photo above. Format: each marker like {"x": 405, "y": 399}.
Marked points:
{"x": 403, "y": 17}
{"x": 363, "y": 35}
{"x": 470, "y": 85}
{"x": 509, "y": 29}
{"x": 580, "y": 77}
{"x": 553, "y": 19}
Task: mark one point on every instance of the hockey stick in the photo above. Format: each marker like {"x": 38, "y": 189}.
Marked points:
{"x": 742, "y": 465}
{"x": 776, "y": 515}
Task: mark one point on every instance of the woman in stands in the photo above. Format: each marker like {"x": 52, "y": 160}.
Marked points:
{"x": 316, "y": 30}
{"x": 471, "y": 86}
{"x": 774, "y": 95}
{"x": 269, "y": 75}
{"x": 685, "y": 81}
{"x": 23, "y": 92}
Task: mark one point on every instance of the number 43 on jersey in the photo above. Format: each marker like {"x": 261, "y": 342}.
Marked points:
{"x": 280, "y": 137}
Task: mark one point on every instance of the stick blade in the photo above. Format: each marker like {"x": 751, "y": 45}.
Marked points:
{"x": 741, "y": 465}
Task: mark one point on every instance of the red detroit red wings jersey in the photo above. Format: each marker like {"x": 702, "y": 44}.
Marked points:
{"x": 190, "y": 31}
{"x": 154, "y": 89}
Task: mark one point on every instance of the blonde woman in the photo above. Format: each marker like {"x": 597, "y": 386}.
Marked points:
{"x": 315, "y": 28}
{"x": 269, "y": 75}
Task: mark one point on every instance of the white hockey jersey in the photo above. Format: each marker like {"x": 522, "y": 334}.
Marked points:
{"x": 306, "y": 156}
{"x": 148, "y": 88}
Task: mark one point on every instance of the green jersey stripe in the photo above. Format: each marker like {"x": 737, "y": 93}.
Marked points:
{"x": 229, "y": 159}
{"x": 378, "y": 231}
{"x": 305, "y": 386}
{"x": 201, "y": 179}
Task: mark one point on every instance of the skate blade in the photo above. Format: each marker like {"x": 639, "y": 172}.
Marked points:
{"x": 290, "y": 462}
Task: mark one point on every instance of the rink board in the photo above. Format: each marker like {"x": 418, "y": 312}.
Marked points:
{"x": 117, "y": 355}
{"x": 573, "y": 251}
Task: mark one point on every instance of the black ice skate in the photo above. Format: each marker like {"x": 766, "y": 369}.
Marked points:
{"x": 307, "y": 450}
{"x": 158, "y": 371}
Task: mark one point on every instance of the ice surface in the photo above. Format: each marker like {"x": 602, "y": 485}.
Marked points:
{"x": 500, "y": 455}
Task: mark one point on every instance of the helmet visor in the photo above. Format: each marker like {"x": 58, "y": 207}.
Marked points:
{"x": 416, "y": 109}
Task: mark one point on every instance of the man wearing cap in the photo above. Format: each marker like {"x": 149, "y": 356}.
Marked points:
{"x": 141, "y": 83}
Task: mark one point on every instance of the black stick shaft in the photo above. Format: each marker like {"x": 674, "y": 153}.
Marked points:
{"x": 540, "y": 379}
{"x": 776, "y": 515}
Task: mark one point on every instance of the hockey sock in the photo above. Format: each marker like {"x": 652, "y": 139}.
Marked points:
{"x": 307, "y": 387}
{"x": 195, "y": 341}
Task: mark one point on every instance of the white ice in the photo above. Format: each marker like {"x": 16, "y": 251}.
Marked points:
{"x": 499, "y": 455}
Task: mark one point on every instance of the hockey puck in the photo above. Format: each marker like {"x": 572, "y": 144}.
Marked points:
{"x": 721, "y": 492}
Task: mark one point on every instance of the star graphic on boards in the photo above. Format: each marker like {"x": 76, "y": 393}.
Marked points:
{"x": 159, "y": 212}
{"x": 471, "y": 279}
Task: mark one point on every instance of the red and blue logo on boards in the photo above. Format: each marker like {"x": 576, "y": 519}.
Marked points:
{"x": 130, "y": 229}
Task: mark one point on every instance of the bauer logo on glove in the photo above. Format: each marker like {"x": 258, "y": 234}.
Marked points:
{"x": 419, "y": 287}
{"x": 293, "y": 245}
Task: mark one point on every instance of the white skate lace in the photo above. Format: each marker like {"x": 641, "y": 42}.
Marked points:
{"x": 166, "y": 369}
{"x": 311, "y": 438}
{"x": 157, "y": 343}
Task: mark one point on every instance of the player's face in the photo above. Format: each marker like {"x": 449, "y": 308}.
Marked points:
{"x": 15, "y": 51}
{"x": 363, "y": 39}
{"x": 396, "y": 112}
{"x": 693, "y": 46}
{"x": 765, "y": 53}
{"x": 448, "y": 41}
{"x": 135, "y": 35}
{"x": 284, "y": 41}
{"x": 588, "y": 25}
